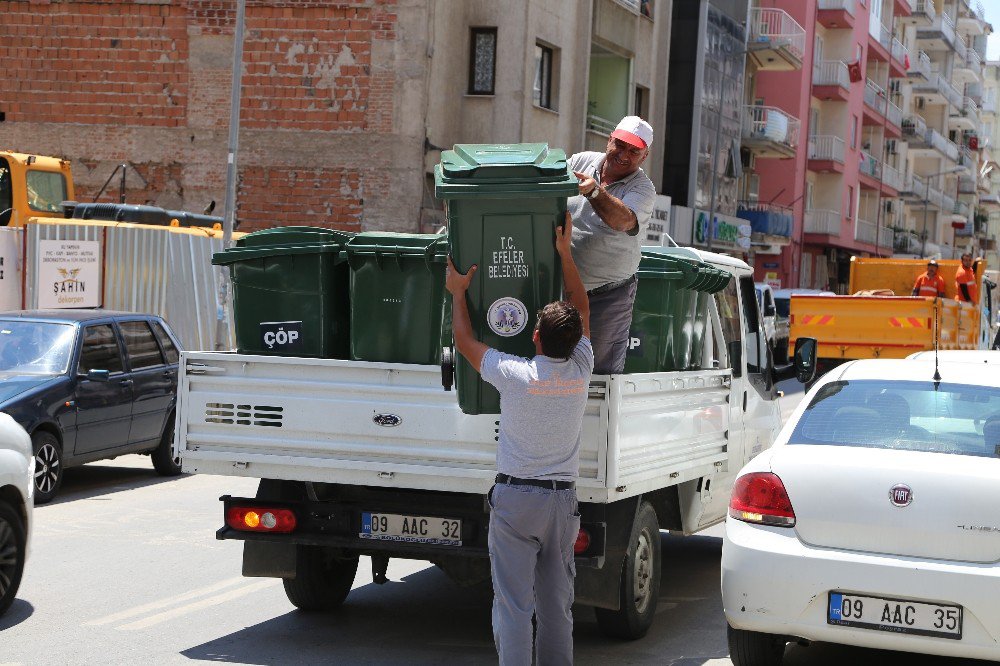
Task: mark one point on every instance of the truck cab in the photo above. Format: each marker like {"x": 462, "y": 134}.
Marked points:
{"x": 32, "y": 186}
{"x": 775, "y": 323}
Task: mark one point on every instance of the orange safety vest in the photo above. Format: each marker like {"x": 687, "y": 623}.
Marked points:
{"x": 967, "y": 277}
{"x": 929, "y": 286}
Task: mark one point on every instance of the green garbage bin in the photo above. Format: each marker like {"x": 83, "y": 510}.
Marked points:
{"x": 670, "y": 315}
{"x": 397, "y": 297}
{"x": 503, "y": 203}
{"x": 290, "y": 292}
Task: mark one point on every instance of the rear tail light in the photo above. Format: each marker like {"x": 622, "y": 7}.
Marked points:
{"x": 582, "y": 542}
{"x": 260, "y": 519}
{"x": 761, "y": 498}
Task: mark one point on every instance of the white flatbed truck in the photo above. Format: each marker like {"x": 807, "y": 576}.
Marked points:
{"x": 359, "y": 458}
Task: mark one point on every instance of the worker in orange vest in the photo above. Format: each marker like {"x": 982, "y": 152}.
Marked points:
{"x": 930, "y": 283}
{"x": 965, "y": 281}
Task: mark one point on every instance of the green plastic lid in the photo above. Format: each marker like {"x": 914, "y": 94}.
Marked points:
{"x": 386, "y": 244}
{"x": 293, "y": 236}
{"x": 237, "y": 254}
{"x": 518, "y": 169}
{"x": 697, "y": 275}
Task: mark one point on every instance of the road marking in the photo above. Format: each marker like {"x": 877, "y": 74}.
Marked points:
{"x": 198, "y": 605}
{"x": 163, "y": 603}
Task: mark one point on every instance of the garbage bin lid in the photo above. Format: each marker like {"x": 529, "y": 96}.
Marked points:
{"x": 298, "y": 235}
{"x": 237, "y": 254}
{"x": 504, "y": 168}
{"x": 697, "y": 275}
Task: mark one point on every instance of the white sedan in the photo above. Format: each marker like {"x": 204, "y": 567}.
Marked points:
{"x": 874, "y": 520}
{"x": 17, "y": 467}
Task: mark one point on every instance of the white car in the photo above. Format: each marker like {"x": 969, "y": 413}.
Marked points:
{"x": 17, "y": 467}
{"x": 960, "y": 356}
{"x": 874, "y": 520}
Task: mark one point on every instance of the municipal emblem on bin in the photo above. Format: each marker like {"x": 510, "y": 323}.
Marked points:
{"x": 900, "y": 495}
{"x": 387, "y": 420}
{"x": 507, "y": 316}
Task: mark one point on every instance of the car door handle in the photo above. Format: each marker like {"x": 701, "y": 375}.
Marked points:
{"x": 126, "y": 382}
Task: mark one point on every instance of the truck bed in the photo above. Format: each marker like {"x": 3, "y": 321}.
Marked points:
{"x": 393, "y": 425}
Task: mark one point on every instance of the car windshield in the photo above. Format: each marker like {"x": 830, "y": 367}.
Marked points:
{"x": 782, "y": 306}
{"x": 35, "y": 348}
{"x": 909, "y": 415}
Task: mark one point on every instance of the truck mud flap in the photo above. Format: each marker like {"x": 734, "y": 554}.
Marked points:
{"x": 598, "y": 585}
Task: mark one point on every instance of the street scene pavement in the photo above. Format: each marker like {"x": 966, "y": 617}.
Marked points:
{"x": 125, "y": 569}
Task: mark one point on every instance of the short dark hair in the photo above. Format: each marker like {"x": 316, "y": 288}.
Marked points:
{"x": 560, "y": 328}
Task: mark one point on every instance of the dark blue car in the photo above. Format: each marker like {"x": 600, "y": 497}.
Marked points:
{"x": 89, "y": 385}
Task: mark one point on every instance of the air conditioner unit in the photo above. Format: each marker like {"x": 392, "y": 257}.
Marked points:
{"x": 888, "y": 206}
{"x": 890, "y": 147}
{"x": 920, "y": 102}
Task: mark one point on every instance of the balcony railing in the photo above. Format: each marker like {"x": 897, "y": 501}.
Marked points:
{"x": 885, "y": 37}
{"x": 920, "y": 65}
{"x": 831, "y": 73}
{"x": 865, "y": 231}
{"x": 925, "y": 7}
{"x": 942, "y": 144}
{"x": 969, "y": 108}
{"x": 885, "y": 237}
{"x": 974, "y": 61}
{"x": 846, "y": 5}
{"x": 600, "y": 125}
{"x": 906, "y": 241}
{"x": 961, "y": 46}
{"x": 947, "y": 202}
{"x": 892, "y": 178}
{"x": 967, "y": 158}
{"x": 870, "y": 166}
{"x": 893, "y": 113}
{"x": 823, "y": 222}
{"x": 898, "y": 50}
{"x": 874, "y": 96}
{"x": 914, "y": 126}
{"x": 826, "y": 147}
{"x": 767, "y": 123}
{"x": 936, "y": 83}
{"x": 776, "y": 27}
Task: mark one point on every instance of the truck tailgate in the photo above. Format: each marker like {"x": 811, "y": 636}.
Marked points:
{"x": 392, "y": 425}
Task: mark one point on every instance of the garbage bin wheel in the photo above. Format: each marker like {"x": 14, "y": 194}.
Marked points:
{"x": 447, "y": 368}
{"x": 321, "y": 581}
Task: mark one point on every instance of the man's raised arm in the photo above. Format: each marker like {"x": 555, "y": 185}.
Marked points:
{"x": 572, "y": 284}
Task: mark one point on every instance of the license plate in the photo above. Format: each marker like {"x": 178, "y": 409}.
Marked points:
{"x": 411, "y": 529}
{"x": 895, "y": 615}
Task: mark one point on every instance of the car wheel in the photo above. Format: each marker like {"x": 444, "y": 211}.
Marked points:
{"x": 48, "y": 465}
{"x": 639, "y": 589}
{"x": 164, "y": 461}
{"x": 12, "y": 554}
{"x": 752, "y": 648}
{"x": 321, "y": 582}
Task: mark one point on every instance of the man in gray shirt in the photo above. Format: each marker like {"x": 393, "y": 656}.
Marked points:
{"x": 534, "y": 519}
{"x": 609, "y": 219}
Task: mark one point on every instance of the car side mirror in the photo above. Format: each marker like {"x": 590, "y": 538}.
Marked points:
{"x": 806, "y": 350}
{"x": 735, "y": 349}
{"x": 770, "y": 311}
{"x": 97, "y": 375}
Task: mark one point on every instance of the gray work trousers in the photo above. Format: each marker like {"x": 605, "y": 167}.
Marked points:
{"x": 531, "y": 537}
{"x": 610, "y": 319}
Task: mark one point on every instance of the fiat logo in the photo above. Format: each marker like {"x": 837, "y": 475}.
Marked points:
{"x": 900, "y": 495}
{"x": 387, "y": 420}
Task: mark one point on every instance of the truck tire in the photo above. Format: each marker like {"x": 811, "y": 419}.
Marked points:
{"x": 752, "y": 648}
{"x": 321, "y": 582}
{"x": 639, "y": 587}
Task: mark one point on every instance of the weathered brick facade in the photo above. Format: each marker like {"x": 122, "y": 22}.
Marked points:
{"x": 148, "y": 83}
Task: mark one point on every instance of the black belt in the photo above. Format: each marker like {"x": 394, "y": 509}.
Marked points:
{"x": 538, "y": 483}
{"x": 604, "y": 288}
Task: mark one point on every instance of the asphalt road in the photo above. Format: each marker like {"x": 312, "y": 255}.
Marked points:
{"x": 125, "y": 569}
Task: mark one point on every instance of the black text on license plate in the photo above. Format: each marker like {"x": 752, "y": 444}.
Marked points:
{"x": 894, "y": 615}
{"x": 411, "y": 529}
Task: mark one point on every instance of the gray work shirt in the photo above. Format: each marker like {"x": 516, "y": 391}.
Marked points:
{"x": 542, "y": 401}
{"x": 602, "y": 254}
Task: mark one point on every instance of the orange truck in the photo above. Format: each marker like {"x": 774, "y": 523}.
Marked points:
{"x": 892, "y": 324}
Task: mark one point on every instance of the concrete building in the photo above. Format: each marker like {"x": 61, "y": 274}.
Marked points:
{"x": 988, "y": 215}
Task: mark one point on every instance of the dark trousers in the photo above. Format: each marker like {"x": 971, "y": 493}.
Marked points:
{"x": 610, "y": 319}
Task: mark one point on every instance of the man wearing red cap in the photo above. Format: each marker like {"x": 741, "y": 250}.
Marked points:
{"x": 609, "y": 216}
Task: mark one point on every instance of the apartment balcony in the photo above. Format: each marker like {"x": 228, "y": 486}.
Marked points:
{"x": 920, "y": 67}
{"x": 892, "y": 181}
{"x": 834, "y": 14}
{"x": 972, "y": 17}
{"x": 967, "y": 185}
{"x": 865, "y": 231}
{"x": 968, "y": 69}
{"x": 923, "y": 13}
{"x": 906, "y": 241}
{"x": 968, "y": 159}
{"x": 989, "y": 106}
{"x": 825, "y": 222}
{"x": 885, "y": 237}
{"x": 914, "y": 128}
{"x": 831, "y": 81}
{"x": 879, "y": 47}
{"x": 774, "y": 222}
{"x": 936, "y": 89}
{"x": 826, "y": 154}
{"x": 965, "y": 117}
{"x": 897, "y": 59}
{"x": 877, "y": 110}
{"x": 770, "y": 132}
{"x": 777, "y": 42}
{"x": 940, "y": 35}
{"x": 874, "y": 175}
{"x": 975, "y": 91}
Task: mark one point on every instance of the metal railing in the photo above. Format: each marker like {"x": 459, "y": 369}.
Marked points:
{"x": 600, "y": 125}
{"x": 898, "y": 50}
{"x": 974, "y": 61}
{"x": 846, "y": 5}
{"x": 870, "y": 166}
{"x": 875, "y": 96}
{"x": 967, "y": 158}
{"x": 780, "y": 29}
{"x": 920, "y": 65}
{"x": 947, "y": 202}
{"x": 925, "y": 7}
{"x": 961, "y": 47}
{"x": 891, "y": 177}
{"x": 820, "y": 221}
{"x": 865, "y": 231}
{"x": 946, "y": 26}
{"x": 885, "y": 37}
{"x": 885, "y": 237}
{"x": 942, "y": 144}
{"x": 893, "y": 113}
{"x": 939, "y": 84}
{"x": 915, "y": 126}
{"x": 770, "y": 124}
{"x": 976, "y": 9}
{"x": 831, "y": 73}
{"x": 827, "y": 147}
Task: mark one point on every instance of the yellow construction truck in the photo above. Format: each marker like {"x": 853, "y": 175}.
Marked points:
{"x": 32, "y": 186}
{"x": 882, "y": 320}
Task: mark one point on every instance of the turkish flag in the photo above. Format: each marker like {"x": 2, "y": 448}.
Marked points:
{"x": 906, "y": 61}
{"x": 854, "y": 71}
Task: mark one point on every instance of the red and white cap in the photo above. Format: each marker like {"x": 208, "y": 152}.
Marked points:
{"x": 634, "y": 130}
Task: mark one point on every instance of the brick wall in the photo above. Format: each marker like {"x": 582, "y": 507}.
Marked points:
{"x": 148, "y": 83}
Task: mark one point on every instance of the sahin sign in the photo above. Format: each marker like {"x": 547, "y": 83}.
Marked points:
{"x": 69, "y": 274}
